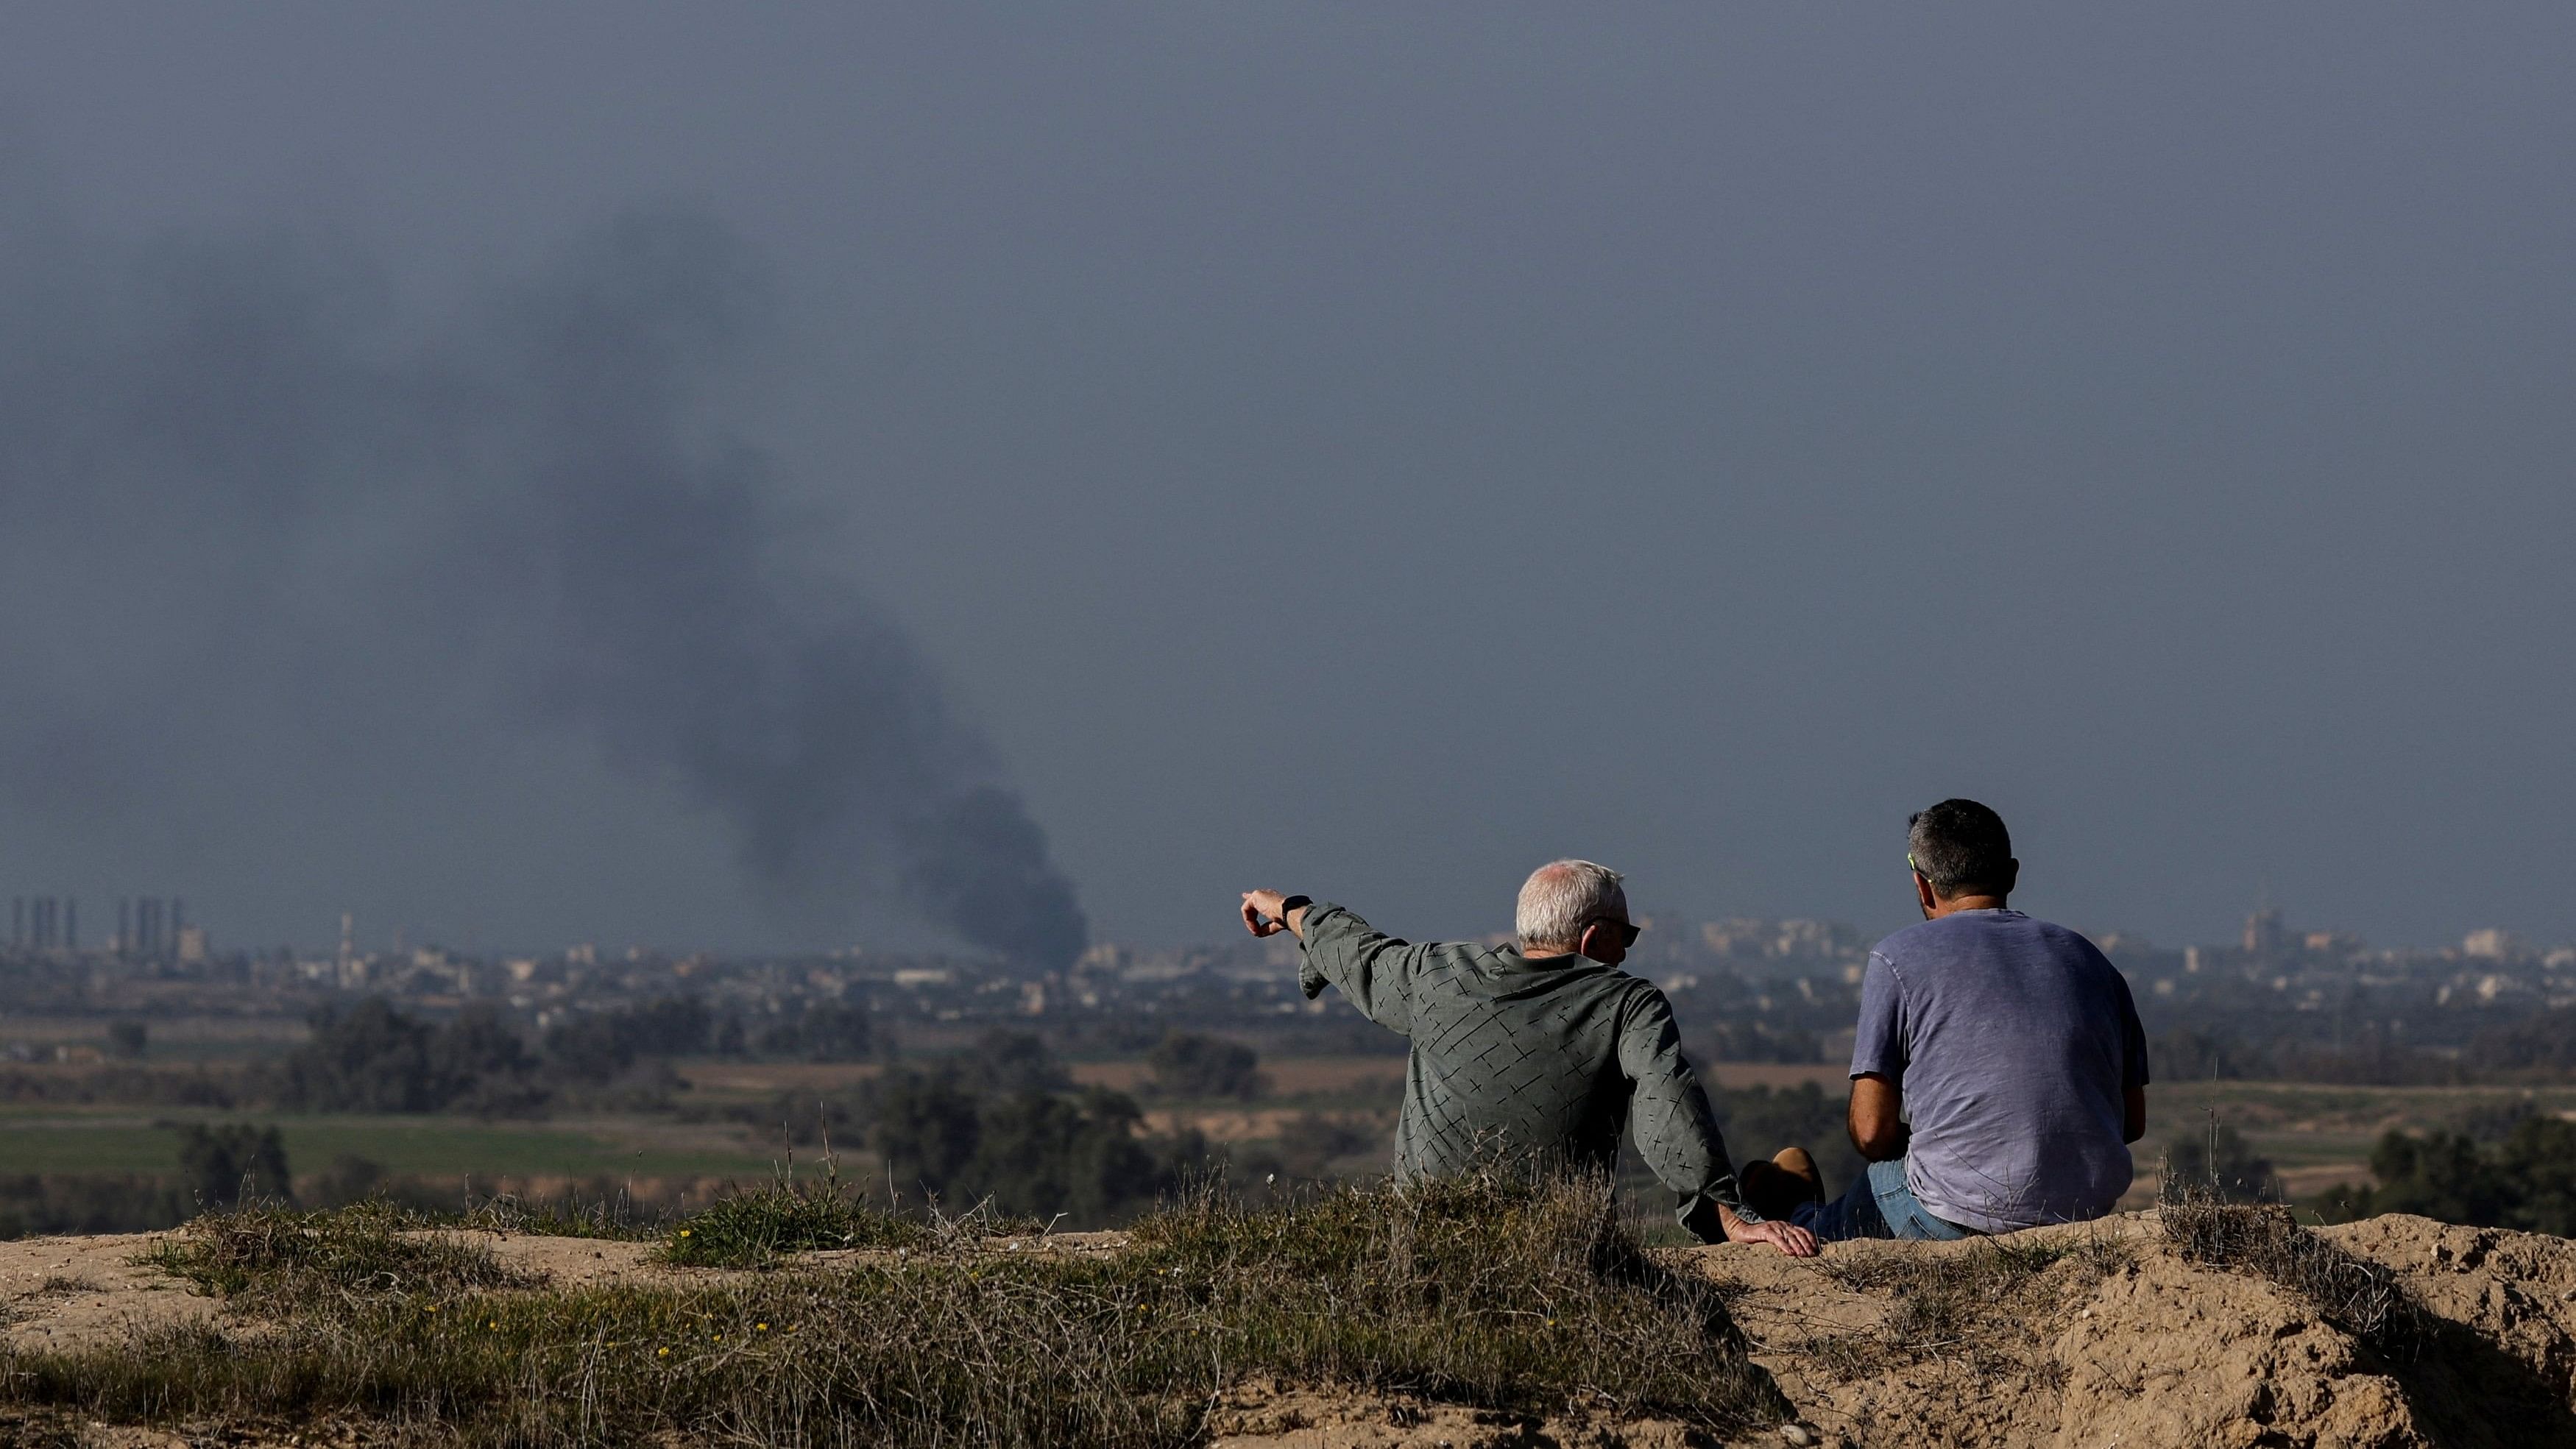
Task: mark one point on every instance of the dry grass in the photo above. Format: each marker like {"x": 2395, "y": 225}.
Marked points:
{"x": 1524, "y": 1297}
{"x": 277, "y": 1259}
{"x": 1972, "y": 1307}
{"x": 2360, "y": 1297}
{"x": 759, "y": 1228}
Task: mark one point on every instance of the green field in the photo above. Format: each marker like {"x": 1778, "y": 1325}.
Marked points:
{"x": 2314, "y": 1135}
{"x": 126, "y": 1141}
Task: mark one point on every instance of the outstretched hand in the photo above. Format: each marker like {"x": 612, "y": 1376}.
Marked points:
{"x": 1263, "y": 914}
{"x": 1789, "y": 1238}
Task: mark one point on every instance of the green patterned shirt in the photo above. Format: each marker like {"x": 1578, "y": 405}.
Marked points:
{"x": 1552, "y": 1056}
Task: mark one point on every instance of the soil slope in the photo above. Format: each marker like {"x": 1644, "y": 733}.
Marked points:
{"x": 2097, "y": 1335}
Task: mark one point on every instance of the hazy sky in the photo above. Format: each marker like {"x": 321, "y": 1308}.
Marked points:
{"x": 1370, "y": 449}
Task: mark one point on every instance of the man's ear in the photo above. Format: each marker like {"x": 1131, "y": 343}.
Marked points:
{"x": 1924, "y": 895}
{"x": 2012, "y": 877}
{"x": 1592, "y": 936}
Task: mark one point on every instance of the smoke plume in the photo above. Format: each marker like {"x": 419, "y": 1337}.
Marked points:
{"x": 537, "y": 503}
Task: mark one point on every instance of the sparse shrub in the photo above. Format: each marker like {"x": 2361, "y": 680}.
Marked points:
{"x": 279, "y": 1258}
{"x": 2360, "y": 1297}
{"x": 754, "y": 1229}
{"x": 1493, "y": 1289}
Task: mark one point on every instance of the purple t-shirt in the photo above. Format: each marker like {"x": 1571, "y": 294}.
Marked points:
{"x": 2013, "y": 1042}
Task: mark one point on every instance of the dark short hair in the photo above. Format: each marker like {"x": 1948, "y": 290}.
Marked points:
{"x": 1959, "y": 845}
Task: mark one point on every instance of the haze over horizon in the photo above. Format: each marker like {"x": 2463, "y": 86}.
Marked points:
{"x": 1365, "y": 451}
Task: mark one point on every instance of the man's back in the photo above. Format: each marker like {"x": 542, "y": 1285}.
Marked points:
{"x": 1520, "y": 1055}
{"x": 2014, "y": 1042}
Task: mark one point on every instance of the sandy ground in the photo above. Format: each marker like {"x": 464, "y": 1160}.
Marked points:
{"x": 65, "y": 1293}
{"x": 2165, "y": 1352}
{"x": 1270, "y": 1416}
{"x": 2150, "y": 1350}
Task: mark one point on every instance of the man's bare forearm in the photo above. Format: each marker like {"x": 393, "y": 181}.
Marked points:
{"x": 1877, "y": 1118}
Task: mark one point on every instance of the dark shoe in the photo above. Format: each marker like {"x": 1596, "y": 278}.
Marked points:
{"x": 1796, "y": 1163}
{"x": 1772, "y": 1190}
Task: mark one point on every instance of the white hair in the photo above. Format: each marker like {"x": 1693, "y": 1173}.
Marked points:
{"x": 1563, "y": 894}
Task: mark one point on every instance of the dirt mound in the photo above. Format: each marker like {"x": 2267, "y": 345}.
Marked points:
{"x": 2110, "y": 1334}
{"x": 2133, "y": 1331}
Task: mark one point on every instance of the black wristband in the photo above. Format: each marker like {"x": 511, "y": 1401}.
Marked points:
{"x": 1293, "y": 903}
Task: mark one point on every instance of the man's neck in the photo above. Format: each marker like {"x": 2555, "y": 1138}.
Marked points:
{"x": 1956, "y": 904}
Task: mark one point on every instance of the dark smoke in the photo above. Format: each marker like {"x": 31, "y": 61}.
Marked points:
{"x": 538, "y": 504}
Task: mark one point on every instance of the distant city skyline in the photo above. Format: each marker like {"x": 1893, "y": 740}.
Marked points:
{"x": 153, "y": 925}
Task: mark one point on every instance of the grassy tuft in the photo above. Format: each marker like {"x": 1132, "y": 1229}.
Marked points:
{"x": 1528, "y": 1298}
{"x": 276, "y": 1257}
{"x": 559, "y": 1218}
{"x": 1487, "y": 1289}
{"x": 755, "y": 1229}
{"x": 2354, "y": 1294}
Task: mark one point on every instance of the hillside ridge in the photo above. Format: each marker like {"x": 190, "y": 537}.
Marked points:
{"x": 2395, "y": 1331}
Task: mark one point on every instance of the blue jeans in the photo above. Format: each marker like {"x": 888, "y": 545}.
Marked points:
{"x": 1879, "y": 1205}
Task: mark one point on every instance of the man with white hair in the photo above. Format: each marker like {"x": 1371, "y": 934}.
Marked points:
{"x": 1545, "y": 1050}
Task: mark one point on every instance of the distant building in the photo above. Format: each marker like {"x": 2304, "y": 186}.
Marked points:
{"x": 2263, "y": 932}
{"x": 2490, "y": 944}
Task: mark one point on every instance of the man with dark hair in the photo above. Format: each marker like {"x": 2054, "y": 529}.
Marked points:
{"x": 1999, "y": 1073}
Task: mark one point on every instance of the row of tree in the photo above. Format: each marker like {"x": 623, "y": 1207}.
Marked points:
{"x": 374, "y": 1058}
{"x": 2524, "y": 1179}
